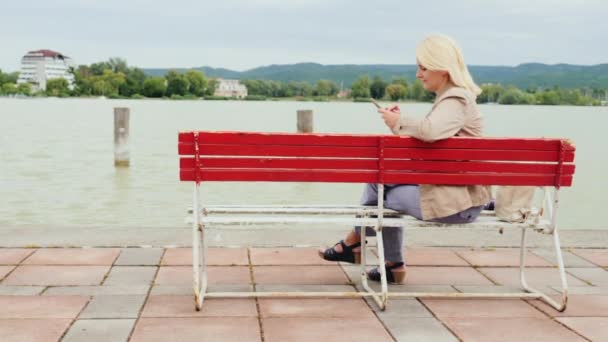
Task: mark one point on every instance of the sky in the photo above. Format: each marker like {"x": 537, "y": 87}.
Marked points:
{"x": 244, "y": 34}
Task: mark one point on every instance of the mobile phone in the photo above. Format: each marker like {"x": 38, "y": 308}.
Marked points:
{"x": 375, "y": 103}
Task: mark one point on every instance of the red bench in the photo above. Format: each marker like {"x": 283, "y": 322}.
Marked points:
{"x": 381, "y": 159}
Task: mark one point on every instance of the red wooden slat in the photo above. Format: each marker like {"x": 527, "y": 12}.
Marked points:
{"x": 461, "y": 154}
{"x": 475, "y": 179}
{"x": 254, "y": 138}
{"x": 259, "y": 175}
{"x": 282, "y": 163}
{"x": 371, "y": 164}
{"x": 476, "y": 166}
{"x": 281, "y": 151}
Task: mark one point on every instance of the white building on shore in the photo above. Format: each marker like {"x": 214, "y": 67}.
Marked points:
{"x": 39, "y": 66}
{"x": 230, "y": 88}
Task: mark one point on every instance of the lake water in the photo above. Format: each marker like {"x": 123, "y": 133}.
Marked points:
{"x": 57, "y": 163}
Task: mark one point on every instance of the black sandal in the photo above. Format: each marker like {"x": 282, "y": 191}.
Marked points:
{"x": 347, "y": 254}
{"x": 397, "y": 277}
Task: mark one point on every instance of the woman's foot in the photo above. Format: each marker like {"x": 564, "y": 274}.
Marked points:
{"x": 395, "y": 273}
{"x": 342, "y": 252}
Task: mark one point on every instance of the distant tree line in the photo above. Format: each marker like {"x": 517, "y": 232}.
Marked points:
{"x": 115, "y": 79}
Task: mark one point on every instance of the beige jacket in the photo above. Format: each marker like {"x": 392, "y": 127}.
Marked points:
{"x": 454, "y": 113}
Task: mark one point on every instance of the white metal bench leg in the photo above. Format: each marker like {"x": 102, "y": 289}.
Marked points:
{"x": 199, "y": 249}
{"x": 560, "y": 261}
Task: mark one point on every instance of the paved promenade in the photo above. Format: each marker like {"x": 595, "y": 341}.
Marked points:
{"x": 145, "y": 294}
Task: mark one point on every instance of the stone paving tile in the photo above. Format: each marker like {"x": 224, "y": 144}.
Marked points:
{"x": 216, "y": 256}
{"x": 309, "y": 288}
{"x": 415, "y": 329}
{"x": 426, "y": 275}
{"x": 353, "y": 274}
{"x": 596, "y": 256}
{"x": 578, "y": 306}
{"x": 13, "y": 256}
{"x": 294, "y": 329}
{"x": 400, "y": 308}
{"x": 510, "y": 329}
{"x": 21, "y": 290}
{"x": 314, "y": 275}
{"x": 593, "y": 328}
{"x": 41, "y": 307}
{"x": 139, "y": 257}
{"x": 208, "y": 329}
{"x": 182, "y": 275}
{"x": 158, "y": 290}
{"x": 100, "y": 330}
{"x": 500, "y": 257}
{"x": 538, "y": 277}
{"x": 116, "y": 306}
{"x": 287, "y": 256}
{"x": 570, "y": 259}
{"x": 73, "y": 256}
{"x": 97, "y": 290}
{"x": 4, "y": 270}
{"x": 480, "y": 308}
{"x": 314, "y": 307}
{"x": 131, "y": 275}
{"x": 583, "y": 290}
{"x": 183, "y": 306}
{"x": 429, "y": 256}
{"x": 596, "y": 276}
{"x": 32, "y": 330}
{"x": 496, "y": 289}
{"x": 57, "y": 275}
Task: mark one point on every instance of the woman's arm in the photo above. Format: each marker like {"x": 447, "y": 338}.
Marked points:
{"x": 444, "y": 121}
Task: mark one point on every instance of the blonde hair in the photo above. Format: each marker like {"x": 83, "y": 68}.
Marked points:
{"x": 440, "y": 52}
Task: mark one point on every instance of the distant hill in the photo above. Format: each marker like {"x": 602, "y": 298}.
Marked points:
{"x": 530, "y": 75}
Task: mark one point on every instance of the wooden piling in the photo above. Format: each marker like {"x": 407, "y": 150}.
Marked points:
{"x": 121, "y": 137}
{"x": 305, "y": 124}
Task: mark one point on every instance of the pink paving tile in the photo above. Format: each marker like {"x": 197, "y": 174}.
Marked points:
{"x": 433, "y": 257}
{"x": 578, "y": 305}
{"x": 73, "y": 256}
{"x": 41, "y": 307}
{"x": 4, "y": 270}
{"x": 481, "y": 308}
{"x": 535, "y": 276}
{"x": 596, "y": 256}
{"x": 593, "y": 328}
{"x": 287, "y": 256}
{"x": 302, "y": 275}
{"x": 33, "y": 330}
{"x": 315, "y": 307}
{"x": 13, "y": 256}
{"x": 183, "y": 275}
{"x": 323, "y": 329}
{"x": 183, "y": 306}
{"x": 501, "y": 257}
{"x": 208, "y": 329}
{"x": 57, "y": 275}
{"x": 510, "y": 329}
{"x": 418, "y": 275}
{"x": 216, "y": 256}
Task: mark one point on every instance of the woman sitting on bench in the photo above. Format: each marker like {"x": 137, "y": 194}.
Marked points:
{"x": 442, "y": 70}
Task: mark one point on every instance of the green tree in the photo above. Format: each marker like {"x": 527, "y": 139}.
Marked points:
{"x": 360, "y": 87}
{"x": 177, "y": 84}
{"x": 549, "y": 97}
{"x": 155, "y": 87}
{"x": 57, "y": 87}
{"x": 9, "y": 89}
{"x": 197, "y": 82}
{"x": 417, "y": 91}
{"x": 134, "y": 82}
{"x": 211, "y": 86}
{"x": 24, "y": 89}
{"x": 377, "y": 88}
{"x": 326, "y": 88}
{"x": 396, "y": 92}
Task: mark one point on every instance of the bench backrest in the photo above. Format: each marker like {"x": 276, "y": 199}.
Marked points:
{"x": 292, "y": 157}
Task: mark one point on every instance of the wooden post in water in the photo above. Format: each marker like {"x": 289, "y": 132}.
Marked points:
{"x": 305, "y": 121}
{"x": 121, "y": 137}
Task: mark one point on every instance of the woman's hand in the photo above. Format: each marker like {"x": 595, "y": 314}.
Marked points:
{"x": 390, "y": 115}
